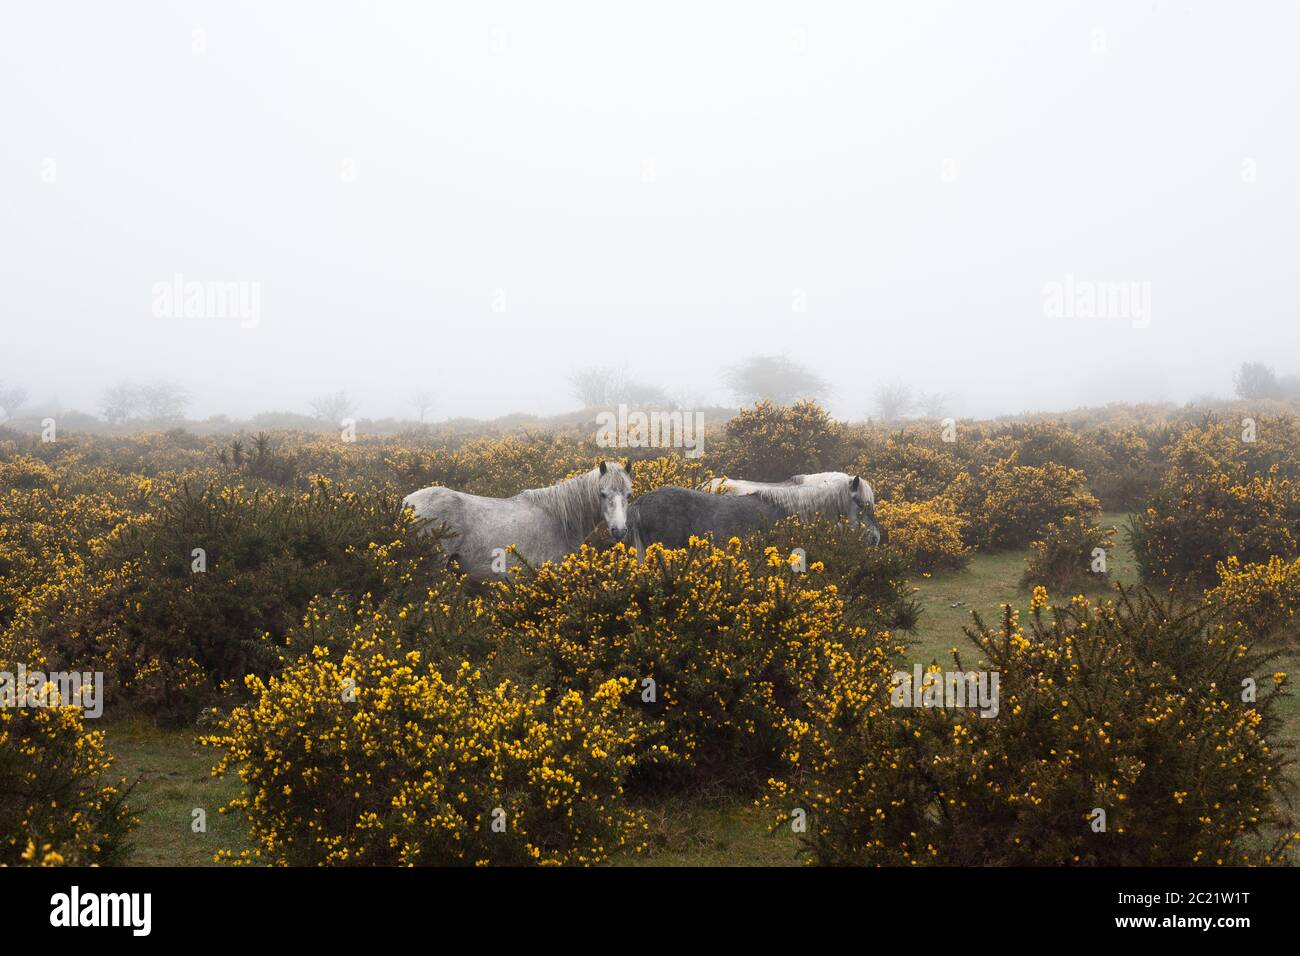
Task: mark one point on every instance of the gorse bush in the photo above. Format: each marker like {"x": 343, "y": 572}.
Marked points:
{"x": 1125, "y": 466}
{"x": 1133, "y": 708}
{"x": 1241, "y": 449}
{"x": 169, "y": 624}
{"x": 871, "y": 581}
{"x": 444, "y": 622}
{"x": 666, "y": 471}
{"x": 930, "y": 531}
{"x": 1261, "y": 600}
{"x": 724, "y": 659}
{"x": 498, "y": 467}
{"x": 1038, "y": 444}
{"x": 46, "y": 528}
{"x": 904, "y": 468}
{"x": 1006, "y": 505}
{"x": 1226, "y": 493}
{"x": 772, "y": 442}
{"x": 57, "y": 805}
{"x": 374, "y": 759}
{"x": 1069, "y": 556}
{"x": 24, "y": 473}
{"x": 1187, "y": 529}
{"x": 260, "y": 459}
{"x": 1198, "y": 452}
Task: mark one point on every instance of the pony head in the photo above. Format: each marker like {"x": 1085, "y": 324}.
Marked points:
{"x": 864, "y": 508}
{"x": 615, "y": 487}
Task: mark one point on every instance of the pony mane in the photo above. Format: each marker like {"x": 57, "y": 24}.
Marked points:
{"x": 816, "y": 478}
{"x": 574, "y": 502}
{"x": 807, "y": 500}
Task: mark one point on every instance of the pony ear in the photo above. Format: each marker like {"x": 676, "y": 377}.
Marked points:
{"x": 856, "y": 483}
{"x": 602, "y": 468}
{"x": 628, "y": 467}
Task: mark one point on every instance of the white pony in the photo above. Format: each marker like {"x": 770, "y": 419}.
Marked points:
{"x": 864, "y": 494}
{"x": 739, "y": 486}
{"x": 543, "y": 524}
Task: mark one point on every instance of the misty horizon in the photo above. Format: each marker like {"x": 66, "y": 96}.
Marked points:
{"x": 478, "y": 203}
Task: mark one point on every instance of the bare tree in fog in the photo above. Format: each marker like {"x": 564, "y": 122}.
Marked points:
{"x": 423, "y": 401}
{"x": 120, "y": 402}
{"x": 894, "y": 402}
{"x": 644, "y": 394}
{"x": 163, "y": 401}
{"x": 932, "y": 404}
{"x": 333, "y": 408}
{"x": 685, "y": 397}
{"x": 597, "y": 386}
{"x": 1256, "y": 380}
{"x": 12, "y": 398}
{"x": 773, "y": 378}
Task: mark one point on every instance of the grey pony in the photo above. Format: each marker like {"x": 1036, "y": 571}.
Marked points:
{"x": 670, "y": 516}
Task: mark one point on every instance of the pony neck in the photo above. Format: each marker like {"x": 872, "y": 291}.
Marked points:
{"x": 574, "y": 503}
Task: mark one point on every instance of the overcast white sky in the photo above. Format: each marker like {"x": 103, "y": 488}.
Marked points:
{"x": 651, "y": 185}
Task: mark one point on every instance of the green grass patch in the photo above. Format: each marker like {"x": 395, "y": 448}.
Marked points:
{"x": 722, "y": 833}
{"x": 990, "y": 581}
{"x": 173, "y": 774}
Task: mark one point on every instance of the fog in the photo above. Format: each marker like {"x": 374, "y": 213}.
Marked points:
{"x": 478, "y": 199}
